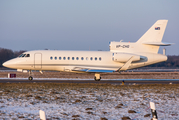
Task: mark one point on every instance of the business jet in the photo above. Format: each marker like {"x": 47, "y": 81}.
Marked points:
{"x": 121, "y": 57}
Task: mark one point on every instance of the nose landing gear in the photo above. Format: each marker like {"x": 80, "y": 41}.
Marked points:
{"x": 30, "y": 75}
{"x": 30, "y": 78}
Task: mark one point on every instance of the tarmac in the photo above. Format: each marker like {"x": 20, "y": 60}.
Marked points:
{"x": 116, "y": 81}
{"x": 145, "y": 77}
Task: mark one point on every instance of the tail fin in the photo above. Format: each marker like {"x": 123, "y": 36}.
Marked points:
{"x": 155, "y": 33}
{"x": 149, "y": 42}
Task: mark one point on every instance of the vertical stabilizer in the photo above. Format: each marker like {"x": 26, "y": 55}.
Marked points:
{"x": 149, "y": 42}
{"x": 155, "y": 33}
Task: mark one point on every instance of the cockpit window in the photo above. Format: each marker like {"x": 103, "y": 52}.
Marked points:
{"x": 23, "y": 55}
{"x": 27, "y": 55}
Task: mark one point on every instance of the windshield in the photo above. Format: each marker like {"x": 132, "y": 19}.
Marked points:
{"x": 21, "y": 55}
{"x": 24, "y": 55}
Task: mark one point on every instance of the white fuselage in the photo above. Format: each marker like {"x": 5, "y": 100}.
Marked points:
{"x": 70, "y": 60}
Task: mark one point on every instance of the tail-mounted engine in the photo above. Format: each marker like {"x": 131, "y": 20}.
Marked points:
{"x": 124, "y": 57}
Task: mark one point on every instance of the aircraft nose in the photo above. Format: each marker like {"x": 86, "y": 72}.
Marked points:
{"x": 13, "y": 63}
{"x": 6, "y": 64}
{"x": 9, "y": 63}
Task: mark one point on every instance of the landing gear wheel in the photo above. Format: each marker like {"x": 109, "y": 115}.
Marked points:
{"x": 30, "y": 78}
{"x": 97, "y": 79}
{"x": 30, "y": 75}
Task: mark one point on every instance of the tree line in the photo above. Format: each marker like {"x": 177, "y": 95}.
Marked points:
{"x": 172, "y": 62}
{"x": 7, "y": 54}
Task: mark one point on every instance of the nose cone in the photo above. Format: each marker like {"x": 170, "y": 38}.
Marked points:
{"x": 10, "y": 63}
{"x": 6, "y": 64}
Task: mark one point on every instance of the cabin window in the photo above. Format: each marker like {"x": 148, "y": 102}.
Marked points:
{"x": 100, "y": 58}
{"x": 55, "y": 58}
{"x": 51, "y": 58}
{"x": 95, "y": 58}
{"x": 73, "y": 58}
{"x": 86, "y": 58}
{"x": 82, "y": 58}
{"x": 91, "y": 58}
{"x": 68, "y": 58}
{"x": 60, "y": 58}
{"x": 64, "y": 58}
{"x": 77, "y": 58}
{"x": 28, "y": 55}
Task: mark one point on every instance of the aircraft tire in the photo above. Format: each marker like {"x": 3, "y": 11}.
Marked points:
{"x": 97, "y": 79}
{"x": 30, "y": 78}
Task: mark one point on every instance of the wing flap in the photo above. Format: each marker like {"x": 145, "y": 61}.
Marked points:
{"x": 100, "y": 71}
{"x": 92, "y": 70}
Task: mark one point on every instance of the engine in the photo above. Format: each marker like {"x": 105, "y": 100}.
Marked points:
{"x": 124, "y": 57}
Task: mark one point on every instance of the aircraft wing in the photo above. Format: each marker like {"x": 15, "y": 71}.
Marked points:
{"x": 123, "y": 68}
{"x": 92, "y": 70}
{"x": 126, "y": 65}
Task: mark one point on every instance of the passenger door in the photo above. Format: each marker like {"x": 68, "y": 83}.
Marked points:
{"x": 38, "y": 61}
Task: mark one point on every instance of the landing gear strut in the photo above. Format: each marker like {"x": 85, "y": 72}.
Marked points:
{"x": 30, "y": 77}
{"x": 97, "y": 77}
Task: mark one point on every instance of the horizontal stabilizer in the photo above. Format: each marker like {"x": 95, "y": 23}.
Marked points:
{"x": 158, "y": 43}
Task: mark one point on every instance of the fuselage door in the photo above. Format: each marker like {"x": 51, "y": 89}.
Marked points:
{"x": 38, "y": 60}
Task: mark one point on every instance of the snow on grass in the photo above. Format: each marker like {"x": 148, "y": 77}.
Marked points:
{"x": 87, "y": 101}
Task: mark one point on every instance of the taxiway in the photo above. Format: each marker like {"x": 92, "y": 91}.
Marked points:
{"x": 126, "y": 81}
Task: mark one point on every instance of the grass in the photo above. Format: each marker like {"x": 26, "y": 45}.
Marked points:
{"x": 121, "y": 96}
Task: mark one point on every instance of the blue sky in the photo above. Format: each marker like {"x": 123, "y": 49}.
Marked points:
{"x": 83, "y": 25}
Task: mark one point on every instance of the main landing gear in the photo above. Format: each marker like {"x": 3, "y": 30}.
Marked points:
{"x": 97, "y": 77}
{"x": 30, "y": 75}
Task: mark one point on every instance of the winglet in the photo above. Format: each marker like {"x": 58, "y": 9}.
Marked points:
{"x": 126, "y": 65}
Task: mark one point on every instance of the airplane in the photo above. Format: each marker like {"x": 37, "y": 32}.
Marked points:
{"x": 121, "y": 57}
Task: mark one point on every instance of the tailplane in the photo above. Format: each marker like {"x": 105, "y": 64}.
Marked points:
{"x": 149, "y": 42}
